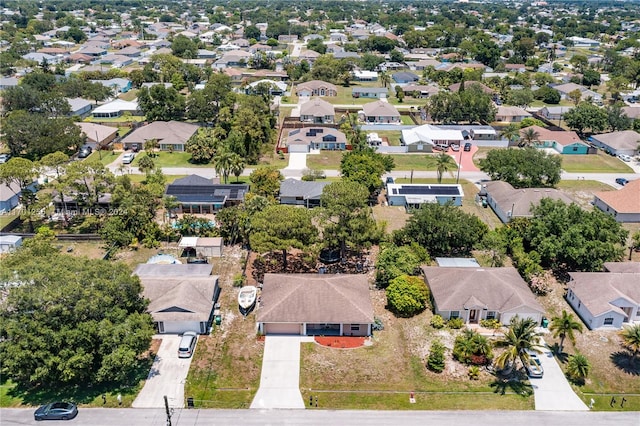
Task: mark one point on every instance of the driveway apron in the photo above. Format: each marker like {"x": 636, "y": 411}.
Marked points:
{"x": 167, "y": 376}
{"x": 552, "y": 392}
{"x": 280, "y": 377}
{"x": 297, "y": 161}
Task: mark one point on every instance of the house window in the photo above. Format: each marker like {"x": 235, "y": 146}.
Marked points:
{"x": 355, "y": 327}
{"x": 454, "y": 314}
{"x": 608, "y": 321}
{"x": 575, "y": 148}
{"x": 491, "y": 315}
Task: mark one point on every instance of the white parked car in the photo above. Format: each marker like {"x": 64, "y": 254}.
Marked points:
{"x": 624, "y": 157}
{"x": 128, "y": 158}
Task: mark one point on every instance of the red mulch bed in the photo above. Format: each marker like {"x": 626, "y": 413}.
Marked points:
{"x": 340, "y": 342}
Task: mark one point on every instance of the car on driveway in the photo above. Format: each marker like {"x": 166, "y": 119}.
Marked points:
{"x": 624, "y": 157}
{"x": 621, "y": 181}
{"x": 467, "y": 146}
{"x": 128, "y": 158}
{"x": 455, "y": 147}
{"x": 85, "y": 152}
{"x": 533, "y": 366}
{"x": 4, "y": 158}
{"x": 56, "y": 411}
{"x": 187, "y": 344}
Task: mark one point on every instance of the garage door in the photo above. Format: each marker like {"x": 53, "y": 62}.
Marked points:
{"x": 179, "y": 327}
{"x": 282, "y": 328}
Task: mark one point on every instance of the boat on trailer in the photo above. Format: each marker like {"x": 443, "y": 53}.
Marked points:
{"x": 247, "y": 299}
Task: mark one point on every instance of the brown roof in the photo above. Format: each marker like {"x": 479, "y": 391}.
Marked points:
{"x": 316, "y": 84}
{"x": 93, "y": 131}
{"x": 209, "y": 242}
{"x": 511, "y": 111}
{"x": 624, "y": 267}
{"x": 497, "y": 289}
{"x": 596, "y": 290}
{"x": 167, "y": 132}
{"x": 625, "y": 199}
{"x": 560, "y": 136}
{"x": 186, "y": 298}
{"x": 380, "y": 109}
{"x": 315, "y": 298}
{"x": 521, "y": 200}
{"x": 632, "y": 112}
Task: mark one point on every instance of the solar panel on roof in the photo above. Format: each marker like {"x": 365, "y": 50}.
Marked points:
{"x": 433, "y": 190}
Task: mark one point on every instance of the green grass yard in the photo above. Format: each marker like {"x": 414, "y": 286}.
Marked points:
{"x": 594, "y": 163}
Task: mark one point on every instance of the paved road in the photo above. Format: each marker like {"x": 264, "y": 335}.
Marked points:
{"x": 552, "y": 391}
{"x": 184, "y": 417}
{"x": 280, "y": 376}
{"x": 167, "y": 376}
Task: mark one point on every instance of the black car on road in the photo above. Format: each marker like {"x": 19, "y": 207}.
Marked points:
{"x": 56, "y": 411}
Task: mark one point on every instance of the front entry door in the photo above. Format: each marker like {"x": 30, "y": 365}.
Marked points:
{"x": 473, "y": 316}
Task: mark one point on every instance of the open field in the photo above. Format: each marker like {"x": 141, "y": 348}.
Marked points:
{"x": 598, "y": 163}
{"x": 581, "y": 191}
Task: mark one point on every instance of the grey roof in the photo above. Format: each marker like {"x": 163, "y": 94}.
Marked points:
{"x": 316, "y": 84}
{"x": 77, "y": 104}
{"x": 307, "y": 135}
{"x": 8, "y": 81}
{"x": 299, "y": 188}
{"x": 596, "y": 290}
{"x": 185, "y": 298}
{"x": 193, "y": 180}
{"x": 405, "y": 75}
{"x": 195, "y": 190}
{"x": 521, "y": 200}
{"x": 317, "y": 108}
{"x": 457, "y": 262}
{"x": 623, "y": 267}
{"x": 497, "y": 289}
{"x": 380, "y": 109}
{"x": 625, "y": 139}
{"x": 166, "y": 132}
{"x": 315, "y": 298}
{"x": 177, "y": 270}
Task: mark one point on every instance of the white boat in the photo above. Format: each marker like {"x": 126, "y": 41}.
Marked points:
{"x": 247, "y": 298}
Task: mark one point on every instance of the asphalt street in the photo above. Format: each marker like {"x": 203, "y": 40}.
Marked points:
{"x": 186, "y": 417}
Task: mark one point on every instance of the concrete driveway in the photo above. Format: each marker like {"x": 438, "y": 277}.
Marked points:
{"x": 280, "y": 377}
{"x": 167, "y": 376}
{"x": 552, "y": 392}
{"x": 297, "y": 161}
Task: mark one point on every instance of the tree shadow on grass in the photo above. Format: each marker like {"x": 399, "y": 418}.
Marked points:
{"x": 563, "y": 357}
{"x": 515, "y": 382}
{"x": 84, "y": 393}
{"x": 625, "y": 362}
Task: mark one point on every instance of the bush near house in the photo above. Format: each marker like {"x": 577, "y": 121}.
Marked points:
{"x": 407, "y": 295}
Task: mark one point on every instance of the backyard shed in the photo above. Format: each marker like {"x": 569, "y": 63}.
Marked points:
{"x": 9, "y": 243}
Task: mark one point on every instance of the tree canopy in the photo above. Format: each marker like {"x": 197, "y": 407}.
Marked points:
{"x": 523, "y": 168}
{"x": 407, "y": 295}
{"x": 70, "y": 320}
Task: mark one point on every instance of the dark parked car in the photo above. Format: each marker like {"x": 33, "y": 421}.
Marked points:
{"x": 621, "y": 181}
{"x": 4, "y": 158}
{"x": 56, "y": 411}
{"x": 85, "y": 152}
{"x": 467, "y": 146}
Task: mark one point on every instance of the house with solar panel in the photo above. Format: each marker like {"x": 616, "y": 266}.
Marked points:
{"x": 198, "y": 195}
{"x": 412, "y": 196}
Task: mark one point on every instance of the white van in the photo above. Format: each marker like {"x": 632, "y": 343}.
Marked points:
{"x": 187, "y": 344}
{"x": 128, "y": 158}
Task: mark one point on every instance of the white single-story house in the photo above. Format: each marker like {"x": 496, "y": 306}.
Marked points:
{"x": 116, "y": 108}
{"x": 301, "y": 193}
{"x": 508, "y": 202}
{"x": 623, "y": 204}
{"x": 181, "y": 296}
{"x": 203, "y": 246}
{"x": 414, "y": 195}
{"x": 9, "y": 243}
{"x": 315, "y": 304}
{"x": 623, "y": 142}
{"x": 423, "y": 138}
{"x": 474, "y": 294}
{"x": 605, "y": 300}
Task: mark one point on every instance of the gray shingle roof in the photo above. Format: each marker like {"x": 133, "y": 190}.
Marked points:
{"x": 167, "y": 132}
{"x": 299, "y": 188}
{"x": 185, "y": 298}
{"x": 596, "y": 290}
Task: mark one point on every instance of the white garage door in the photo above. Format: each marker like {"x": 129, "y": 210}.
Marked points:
{"x": 282, "y": 328}
{"x": 179, "y": 327}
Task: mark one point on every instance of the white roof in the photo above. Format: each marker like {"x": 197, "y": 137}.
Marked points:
{"x": 117, "y": 105}
{"x": 9, "y": 239}
{"x": 430, "y": 134}
{"x": 188, "y": 242}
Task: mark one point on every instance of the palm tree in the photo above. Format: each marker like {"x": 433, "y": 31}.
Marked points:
{"x": 564, "y": 326}
{"x": 511, "y": 132}
{"x": 222, "y": 162}
{"x": 237, "y": 165}
{"x": 444, "y": 163}
{"x": 520, "y": 337}
{"x": 385, "y": 79}
{"x": 631, "y": 339}
{"x": 578, "y": 367}
{"x": 528, "y": 137}
{"x": 150, "y": 145}
{"x": 146, "y": 164}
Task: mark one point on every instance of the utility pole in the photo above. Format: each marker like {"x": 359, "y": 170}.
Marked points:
{"x": 166, "y": 407}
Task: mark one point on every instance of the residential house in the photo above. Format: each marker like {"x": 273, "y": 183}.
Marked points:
{"x": 308, "y": 138}
{"x": 350, "y": 55}
{"x": 40, "y": 57}
{"x": 171, "y": 135}
{"x": 511, "y": 114}
{"x": 338, "y": 37}
{"x": 369, "y": 92}
{"x": 584, "y": 42}
{"x": 508, "y": 202}
{"x": 10, "y": 196}
{"x": 424, "y": 138}
{"x": 420, "y": 90}
{"x": 116, "y": 108}
{"x": 404, "y": 77}
{"x": 79, "y": 106}
{"x": 115, "y": 60}
{"x": 605, "y": 300}
{"x": 276, "y": 88}
{"x": 633, "y": 112}
{"x": 97, "y": 134}
{"x": 412, "y": 196}
{"x": 79, "y": 58}
{"x": 565, "y": 89}
{"x": 515, "y": 67}
{"x": 181, "y": 297}
{"x": 362, "y": 75}
{"x": 9, "y": 243}
{"x": 196, "y": 194}
{"x": 423, "y": 64}
{"x": 301, "y": 193}
{"x": 623, "y": 204}
{"x": 315, "y": 304}
{"x": 93, "y": 51}
{"x": 622, "y": 267}
{"x": 8, "y": 82}
{"x": 317, "y": 111}
{"x": 475, "y": 294}
{"x": 119, "y": 85}
{"x": 554, "y": 112}
{"x": 564, "y": 142}
{"x": 309, "y": 55}
{"x": 130, "y": 51}
{"x": 289, "y": 38}
{"x": 235, "y": 58}
{"x": 316, "y": 88}
{"x": 623, "y": 142}
{"x": 379, "y": 112}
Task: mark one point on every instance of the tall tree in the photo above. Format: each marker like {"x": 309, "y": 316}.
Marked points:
{"x": 366, "y": 167}
{"x": 519, "y": 338}
{"x": 529, "y": 137}
{"x": 202, "y": 146}
{"x": 631, "y": 339}
{"x": 161, "y": 104}
{"x": 511, "y": 132}
{"x": 19, "y": 175}
{"x": 88, "y": 181}
{"x": 265, "y": 181}
{"x": 523, "y": 168}
{"x": 444, "y": 163}
{"x": 564, "y": 326}
{"x": 292, "y": 229}
{"x": 586, "y": 116}
{"x": 617, "y": 118}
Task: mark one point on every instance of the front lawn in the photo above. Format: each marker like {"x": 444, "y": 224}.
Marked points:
{"x": 104, "y": 157}
{"x": 170, "y": 159}
{"x": 594, "y": 163}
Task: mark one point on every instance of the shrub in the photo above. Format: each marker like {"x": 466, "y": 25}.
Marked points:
{"x": 474, "y": 372}
{"x": 493, "y": 324}
{"x": 437, "y": 322}
{"x": 407, "y": 295}
{"x": 398, "y": 260}
{"x": 455, "y": 323}
{"x": 472, "y": 348}
{"x": 435, "y": 362}
{"x": 238, "y": 280}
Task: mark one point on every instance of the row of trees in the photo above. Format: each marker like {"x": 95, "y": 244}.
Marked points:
{"x": 469, "y": 104}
